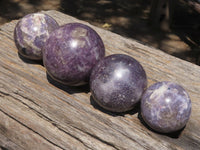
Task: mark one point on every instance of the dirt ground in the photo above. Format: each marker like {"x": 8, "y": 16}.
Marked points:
{"x": 128, "y": 18}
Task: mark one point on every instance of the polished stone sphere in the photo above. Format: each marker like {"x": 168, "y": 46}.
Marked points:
{"x": 71, "y": 52}
{"x": 117, "y": 82}
{"x": 165, "y": 107}
{"x": 31, "y": 32}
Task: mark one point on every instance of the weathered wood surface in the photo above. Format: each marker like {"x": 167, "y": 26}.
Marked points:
{"x": 36, "y": 113}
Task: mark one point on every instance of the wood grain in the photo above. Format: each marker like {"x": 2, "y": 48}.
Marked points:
{"x": 38, "y": 113}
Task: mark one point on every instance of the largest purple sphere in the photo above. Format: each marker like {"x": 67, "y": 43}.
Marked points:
{"x": 71, "y": 52}
{"x": 165, "y": 107}
{"x": 31, "y": 32}
{"x": 117, "y": 82}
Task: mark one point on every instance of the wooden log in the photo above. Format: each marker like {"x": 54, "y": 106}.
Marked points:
{"x": 38, "y": 113}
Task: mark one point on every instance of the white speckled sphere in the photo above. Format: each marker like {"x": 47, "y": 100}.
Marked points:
{"x": 117, "y": 82}
{"x": 165, "y": 107}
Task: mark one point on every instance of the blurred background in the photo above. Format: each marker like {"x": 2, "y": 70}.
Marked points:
{"x": 129, "y": 18}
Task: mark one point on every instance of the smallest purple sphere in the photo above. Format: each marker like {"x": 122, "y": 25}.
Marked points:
{"x": 31, "y": 32}
{"x": 165, "y": 107}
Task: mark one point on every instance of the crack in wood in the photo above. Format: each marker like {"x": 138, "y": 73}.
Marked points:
{"x": 54, "y": 123}
{"x": 96, "y": 137}
{"x": 60, "y": 128}
{"x": 31, "y": 129}
{"x": 25, "y": 97}
{"x": 6, "y": 142}
{"x": 3, "y": 94}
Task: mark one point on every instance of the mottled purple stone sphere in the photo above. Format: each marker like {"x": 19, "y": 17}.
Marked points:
{"x": 165, "y": 107}
{"x": 117, "y": 82}
{"x": 31, "y": 32}
{"x": 71, "y": 52}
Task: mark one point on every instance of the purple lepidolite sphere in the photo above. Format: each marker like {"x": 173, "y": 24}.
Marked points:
{"x": 117, "y": 82}
{"x": 165, "y": 107}
{"x": 71, "y": 52}
{"x": 31, "y": 32}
